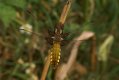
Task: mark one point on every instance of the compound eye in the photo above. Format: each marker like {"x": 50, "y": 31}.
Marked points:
{"x": 56, "y": 31}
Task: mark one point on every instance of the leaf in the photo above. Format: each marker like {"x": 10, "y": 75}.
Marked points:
{"x": 7, "y": 14}
{"x": 105, "y": 49}
{"x": 16, "y": 3}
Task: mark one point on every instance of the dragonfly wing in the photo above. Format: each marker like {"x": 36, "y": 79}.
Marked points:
{"x": 49, "y": 40}
{"x": 64, "y": 42}
{"x": 51, "y": 33}
{"x": 64, "y": 35}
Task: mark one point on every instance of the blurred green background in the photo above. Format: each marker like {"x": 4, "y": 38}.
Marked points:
{"x": 23, "y": 54}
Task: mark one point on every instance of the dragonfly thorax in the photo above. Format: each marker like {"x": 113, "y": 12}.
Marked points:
{"x": 57, "y": 38}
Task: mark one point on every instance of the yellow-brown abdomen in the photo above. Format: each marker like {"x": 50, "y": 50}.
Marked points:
{"x": 55, "y": 54}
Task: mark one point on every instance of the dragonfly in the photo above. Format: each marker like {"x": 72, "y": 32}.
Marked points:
{"x": 56, "y": 38}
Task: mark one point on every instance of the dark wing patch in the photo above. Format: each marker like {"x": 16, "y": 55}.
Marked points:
{"x": 49, "y": 40}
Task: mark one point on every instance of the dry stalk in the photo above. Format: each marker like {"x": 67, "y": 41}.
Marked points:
{"x": 81, "y": 69}
{"x": 65, "y": 11}
{"x": 46, "y": 67}
{"x": 93, "y": 54}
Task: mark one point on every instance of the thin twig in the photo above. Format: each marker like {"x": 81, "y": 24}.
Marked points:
{"x": 46, "y": 67}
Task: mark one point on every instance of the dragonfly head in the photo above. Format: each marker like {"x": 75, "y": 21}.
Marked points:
{"x": 58, "y": 33}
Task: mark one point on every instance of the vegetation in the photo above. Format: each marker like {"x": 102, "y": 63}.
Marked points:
{"x": 23, "y": 54}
